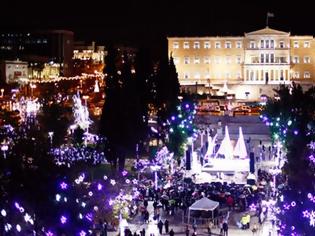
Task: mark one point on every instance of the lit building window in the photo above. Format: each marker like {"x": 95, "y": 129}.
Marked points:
{"x": 217, "y": 45}
{"x": 228, "y": 75}
{"x": 186, "y": 75}
{"x": 281, "y": 44}
{"x": 206, "y": 60}
{"x": 307, "y": 44}
{"x": 197, "y": 76}
{"x": 238, "y": 75}
{"x": 228, "y": 60}
{"x": 217, "y": 60}
{"x": 207, "y": 76}
{"x": 196, "y": 45}
{"x": 206, "y": 44}
{"x": 307, "y": 60}
{"x": 186, "y": 45}
{"x": 252, "y": 44}
{"x": 296, "y": 44}
{"x": 296, "y": 59}
{"x": 238, "y": 44}
{"x": 228, "y": 44}
{"x": 186, "y": 60}
{"x": 296, "y": 75}
{"x": 238, "y": 60}
{"x": 307, "y": 75}
{"x": 175, "y": 45}
{"x": 197, "y": 60}
{"x": 176, "y": 60}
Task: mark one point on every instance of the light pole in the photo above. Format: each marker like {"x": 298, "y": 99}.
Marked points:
{"x": 32, "y": 87}
{"x": 50, "y": 135}
{"x": 4, "y": 148}
{"x": 2, "y": 91}
{"x": 155, "y": 168}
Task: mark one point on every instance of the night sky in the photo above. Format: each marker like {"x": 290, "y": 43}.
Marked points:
{"x": 151, "y": 21}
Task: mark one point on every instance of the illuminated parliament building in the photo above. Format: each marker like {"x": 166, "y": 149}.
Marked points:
{"x": 247, "y": 66}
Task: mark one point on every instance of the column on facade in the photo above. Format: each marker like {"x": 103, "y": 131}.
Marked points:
{"x": 247, "y": 75}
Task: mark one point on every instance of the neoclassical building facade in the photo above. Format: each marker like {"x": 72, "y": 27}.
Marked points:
{"x": 247, "y": 66}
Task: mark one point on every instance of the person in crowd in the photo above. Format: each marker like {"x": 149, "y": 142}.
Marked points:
{"x": 225, "y": 229}
{"x": 187, "y": 230}
{"x": 166, "y": 226}
{"x": 172, "y": 233}
{"x": 160, "y": 226}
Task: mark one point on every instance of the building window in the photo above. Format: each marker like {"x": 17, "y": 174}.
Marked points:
{"x": 197, "y": 60}
{"x": 207, "y": 75}
{"x": 176, "y": 60}
{"x": 206, "y": 44}
{"x": 252, "y": 44}
{"x": 238, "y": 75}
{"x": 175, "y": 45}
{"x": 238, "y": 44}
{"x": 228, "y": 60}
{"x": 262, "y": 58}
{"x": 296, "y": 75}
{"x": 262, "y": 43}
{"x": 197, "y": 76}
{"x": 228, "y": 75}
{"x": 217, "y": 60}
{"x": 267, "y": 58}
{"x": 217, "y": 45}
{"x": 281, "y": 44}
{"x": 186, "y": 60}
{"x": 296, "y": 59}
{"x": 238, "y": 60}
{"x": 272, "y": 43}
{"x": 186, "y": 75}
{"x": 307, "y": 75}
{"x": 296, "y": 44}
{"x": 196, "y": 45}
{"x": 186, "y": 45}
{"x": 307, "y": 44}
{"x": 272, "y": 58}
{"x": 206, "y": 60}
{"x": 307, "y": 60}
{"x": 228, "y": 45}
{"x": 267, "y": 43}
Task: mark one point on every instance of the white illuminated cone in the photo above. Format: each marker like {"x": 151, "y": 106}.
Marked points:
{"x": 240, "y": 147}
{"x": 226, "y": 147}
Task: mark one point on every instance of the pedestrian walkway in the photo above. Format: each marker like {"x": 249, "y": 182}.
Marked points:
{"x": 179, "y": 227}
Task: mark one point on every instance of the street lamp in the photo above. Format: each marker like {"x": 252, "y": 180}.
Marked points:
{"x": 4, "y": 148}
{"x": 155, "y": 168}
{"x": 2, "y": 91}
{"x": 32, "y": 87}
{"x": 50, "y": 135}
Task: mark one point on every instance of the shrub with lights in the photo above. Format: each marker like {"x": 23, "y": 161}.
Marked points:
{"x": 290, "y": 118}
{"x": 181, "y": 127}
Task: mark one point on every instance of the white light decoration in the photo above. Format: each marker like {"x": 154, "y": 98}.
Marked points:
{"x": 81, "y": 113}
{"x": 3, "y": 213}
{"x": 18, "y": 228}
{"x": 58, "y": 197}
{"x": 240, "y": 147}
{"x": 226, "y": 147}
{"x": 96, "y": 87}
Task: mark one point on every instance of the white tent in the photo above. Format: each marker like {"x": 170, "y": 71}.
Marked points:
{"x": 204, "y": 204}
{"x": 226, "y": 147}
{"x": 240, "y": 147}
